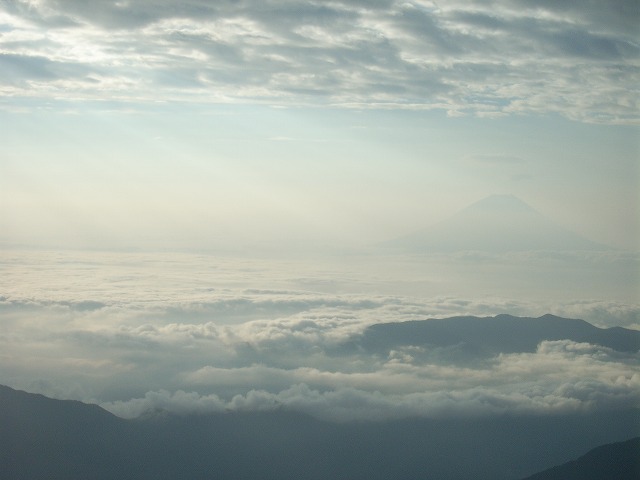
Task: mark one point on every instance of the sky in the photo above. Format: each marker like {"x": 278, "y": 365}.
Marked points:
{"x": 192, "y": 195}
{"x": 198, "y": 125}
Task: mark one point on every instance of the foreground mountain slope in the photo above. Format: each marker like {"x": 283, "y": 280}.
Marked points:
{"x": 619, "y": 461}
{"x": 497, "y": 224}
{"x": 45, "y": 438}
{"x": 41, "y": 438}
{"x": 492, "y": 335}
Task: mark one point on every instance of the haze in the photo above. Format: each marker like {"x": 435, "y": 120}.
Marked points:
{"x": 151, "y": 125}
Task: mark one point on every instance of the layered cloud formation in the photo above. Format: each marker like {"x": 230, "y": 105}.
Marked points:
{"x": 487, "y": 58}
{"x": 185, "y": 333}
{"x": 561, "y": 377}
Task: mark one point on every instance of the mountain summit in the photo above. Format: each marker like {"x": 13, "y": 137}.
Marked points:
{"x": 497, "y": 203}
{"x": 498, "y": 223}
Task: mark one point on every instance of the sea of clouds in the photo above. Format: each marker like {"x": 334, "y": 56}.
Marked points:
{"x": 202, "y": 333}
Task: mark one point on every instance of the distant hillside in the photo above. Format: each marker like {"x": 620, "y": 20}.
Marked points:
{"x": 616, "y": 461}
{"x": 490, "y": 335}
{"x": 41, "y": 438}
{"x": 498, "y": 223}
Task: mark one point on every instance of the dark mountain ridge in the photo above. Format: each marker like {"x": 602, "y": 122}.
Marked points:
{"x": 41, "y": 438}
{"x": 492, "y": 335}
{"x": 619, "y": 461}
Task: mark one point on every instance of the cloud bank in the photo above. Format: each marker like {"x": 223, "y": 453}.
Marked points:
{"x": 561, "y": 377}
{"x": 212, "y": 334}
{"x": 462, "y": 58}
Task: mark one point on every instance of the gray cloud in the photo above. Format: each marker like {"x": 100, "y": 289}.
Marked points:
{"x": 386, "y": 54}
{"x": 20, "y": 69}
{"x": 612, "y": 16}
{"x": 561, "y": 377}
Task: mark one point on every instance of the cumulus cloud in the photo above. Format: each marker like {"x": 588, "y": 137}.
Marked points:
{"x": 603, "y": 313}
{"x": 465, "y": 59}
{"x": 252, "y": 334}
{"x": 560, "y": 377}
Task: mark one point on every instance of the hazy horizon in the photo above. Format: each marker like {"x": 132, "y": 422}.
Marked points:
{"x": 152, "y": 126}
{"x": 336, "y": 245}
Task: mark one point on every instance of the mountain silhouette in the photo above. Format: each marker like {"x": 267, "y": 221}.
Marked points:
{"x": 479, "y": 336}
{"x": 619, "y": 461}
{"x": 42, "y": 438}
{"x": 497, "y": 224}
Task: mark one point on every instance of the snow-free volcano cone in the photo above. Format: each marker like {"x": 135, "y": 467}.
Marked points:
{"x": 498, "y": 223}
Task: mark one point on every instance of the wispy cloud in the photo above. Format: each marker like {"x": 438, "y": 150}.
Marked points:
{"x": 490, "y": 58}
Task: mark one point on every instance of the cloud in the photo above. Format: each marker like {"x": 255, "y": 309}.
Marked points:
{"x": 461, "y": 58}
{"x": 131, "y": 331}
{"x": 296, "y": 362}
{"x": 603, "y": 313}
{"x": 561, "y": 377}
{"x": 22, "y": 68}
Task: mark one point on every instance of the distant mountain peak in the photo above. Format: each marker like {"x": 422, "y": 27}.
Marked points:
{"x": 501, "y": 202}
{"x": 497, "y": 223}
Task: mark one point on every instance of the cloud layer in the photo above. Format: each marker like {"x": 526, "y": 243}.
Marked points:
{"x": 195, "y": 333}
{"x": 561, "y": 377}
{"x": 487, "y": 58}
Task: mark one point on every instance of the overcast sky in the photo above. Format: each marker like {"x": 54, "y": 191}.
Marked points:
{"x": 196, "y": 124}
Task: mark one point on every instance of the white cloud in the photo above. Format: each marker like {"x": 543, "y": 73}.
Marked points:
{"x": 603, "y": 313}
{"x": 250, "y": 333}
{"x": 560, "y": 377}
{"x": 464, "y": 59}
